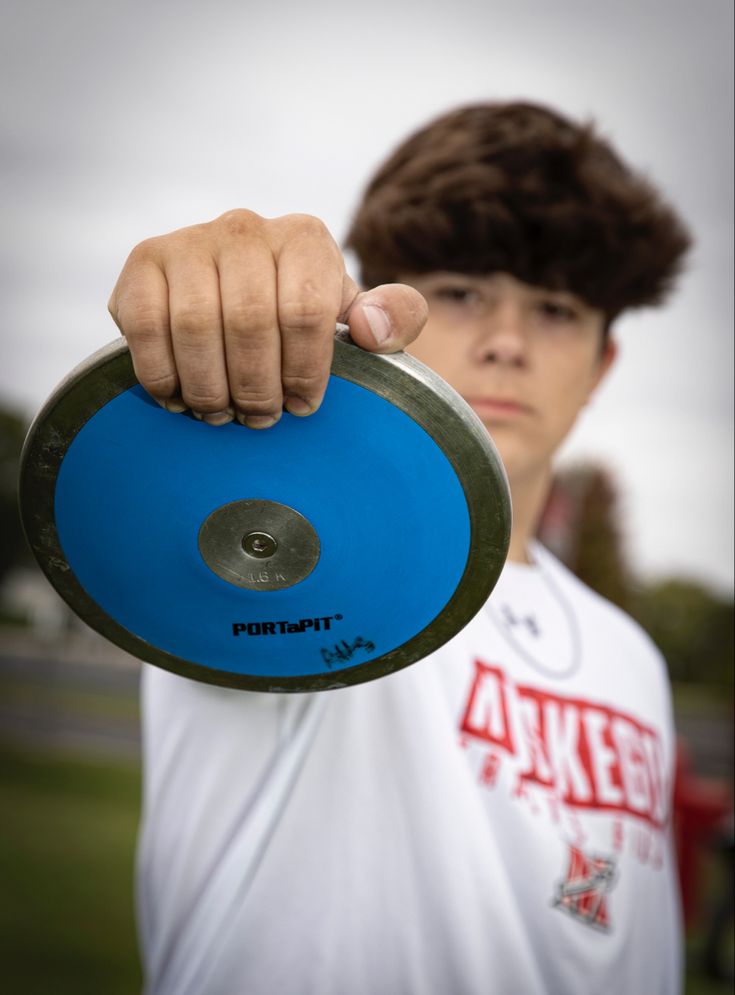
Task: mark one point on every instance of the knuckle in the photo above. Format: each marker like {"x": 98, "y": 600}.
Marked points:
{"x": 205, "y": 397}
{"x": 254, "y": 382}
{"x": 257, "y": 392}
{"x": 164, "y": 384}
{"x": 249, "y": 315}
{"x": 304, "y": 383}
{"x": 237, "y": 222}
{"x": 194, "y": 316}
{"x": 307, "y": 314}
{"x": 256, "y": 395}
{"x": 308, "y": 225}
{"x": 255, "y": 403}
{"x": 142, "y": 323}
{"x": 306, "y": 232}
{"x": 145, "y": 251}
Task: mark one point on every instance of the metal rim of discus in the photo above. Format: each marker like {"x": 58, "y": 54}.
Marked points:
{"x": 398, "y": 378}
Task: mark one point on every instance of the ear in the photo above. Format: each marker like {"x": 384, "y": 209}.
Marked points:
{"x": 604, "y": 362}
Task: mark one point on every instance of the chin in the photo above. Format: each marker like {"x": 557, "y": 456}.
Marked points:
{"x": 502, "y": 441}
{"x": 520, "y": 467}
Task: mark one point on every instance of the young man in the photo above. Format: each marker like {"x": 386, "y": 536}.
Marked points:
{"x": 496, "y": 817}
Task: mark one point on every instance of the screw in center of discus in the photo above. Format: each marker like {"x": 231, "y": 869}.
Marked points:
{"x": 259, "y": 544}
{"x": 236, "y": 537}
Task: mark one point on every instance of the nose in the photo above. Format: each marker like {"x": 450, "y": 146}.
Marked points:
{"x": 501, "y": 337}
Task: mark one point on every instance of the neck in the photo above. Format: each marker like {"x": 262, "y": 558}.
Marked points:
{"x": 528, "y": 495}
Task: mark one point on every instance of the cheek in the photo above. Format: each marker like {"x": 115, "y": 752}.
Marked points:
{"x": 570, "y": 403}
{"x": 436, "y": 351}
{"x": 575, "y": 378}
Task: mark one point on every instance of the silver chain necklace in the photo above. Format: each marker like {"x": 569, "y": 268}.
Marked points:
{"x": 504, "y": 626}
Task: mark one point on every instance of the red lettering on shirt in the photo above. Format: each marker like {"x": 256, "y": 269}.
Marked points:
{"x": 486, "y": 715}
{"x": 591, "y": 756}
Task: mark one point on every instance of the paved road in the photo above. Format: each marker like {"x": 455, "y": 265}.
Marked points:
{"x": 82, "y": 695}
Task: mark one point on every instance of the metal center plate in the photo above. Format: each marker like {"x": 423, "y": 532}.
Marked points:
{"x": 235, "y": 541}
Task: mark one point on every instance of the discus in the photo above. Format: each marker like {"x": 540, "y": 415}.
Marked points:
{"x": 322, "y": 552}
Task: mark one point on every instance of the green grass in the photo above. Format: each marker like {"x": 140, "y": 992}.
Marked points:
{"x": 704, "y": 698}
{"x": 714, "y": 884}
{"x": 71, "y": 700}
{"x": 66, "y": 865}
{"x": 67, "y": 842}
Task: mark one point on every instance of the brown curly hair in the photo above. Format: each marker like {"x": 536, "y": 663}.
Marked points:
{"x": 518, "y": 188}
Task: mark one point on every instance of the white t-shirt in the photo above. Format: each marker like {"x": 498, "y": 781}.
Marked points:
{"x": 493, "y": 819}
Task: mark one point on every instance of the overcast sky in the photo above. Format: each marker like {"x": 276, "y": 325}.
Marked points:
{"x": 121, "y": 119}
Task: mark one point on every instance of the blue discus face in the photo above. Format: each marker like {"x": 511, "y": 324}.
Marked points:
{"x": 137, "y": 483}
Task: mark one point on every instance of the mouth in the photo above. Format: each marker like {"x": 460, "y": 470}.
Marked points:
{"x": 497, "y": 407}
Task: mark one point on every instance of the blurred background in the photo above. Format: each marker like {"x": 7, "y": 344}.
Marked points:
{"x": 120, "y": 120}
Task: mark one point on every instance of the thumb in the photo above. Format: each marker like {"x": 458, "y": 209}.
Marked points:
{"x": 386, "y": 318}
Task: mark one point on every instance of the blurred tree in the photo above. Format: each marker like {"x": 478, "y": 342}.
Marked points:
{"x": 581, "y": 525}
{"x": 693, "y": 628}
{"x": 12, "y": 545}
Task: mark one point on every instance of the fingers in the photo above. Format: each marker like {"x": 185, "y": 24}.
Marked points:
{"x": 247, "y": 279}
{"x": 139, "y": 307}
{"x": 167, "y": 304}
{"x": 386, "y": 318}
{"x": 310, "y": 275}
{"x": 196, "y": 334}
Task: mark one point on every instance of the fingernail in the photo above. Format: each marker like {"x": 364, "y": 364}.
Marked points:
{"x": 219, "y": 417}
{"x": 379, "y": 322}
{"x": 175, "y": 407}
{"x": 257, "y": 421}
{"x": 297, "y": 406}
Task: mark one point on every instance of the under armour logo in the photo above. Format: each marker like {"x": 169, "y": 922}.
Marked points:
{"x": 527, "y": 621}
{"x": 583, "y": 893}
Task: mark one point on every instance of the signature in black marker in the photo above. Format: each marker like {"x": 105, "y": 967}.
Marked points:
{"x": 343, "y": 651}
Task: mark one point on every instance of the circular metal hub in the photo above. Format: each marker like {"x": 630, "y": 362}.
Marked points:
{"x": 260, "y": 545}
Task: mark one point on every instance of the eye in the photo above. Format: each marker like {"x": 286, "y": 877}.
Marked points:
{"x": 452, "y": 293}
{"x": 557, "y": 311}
